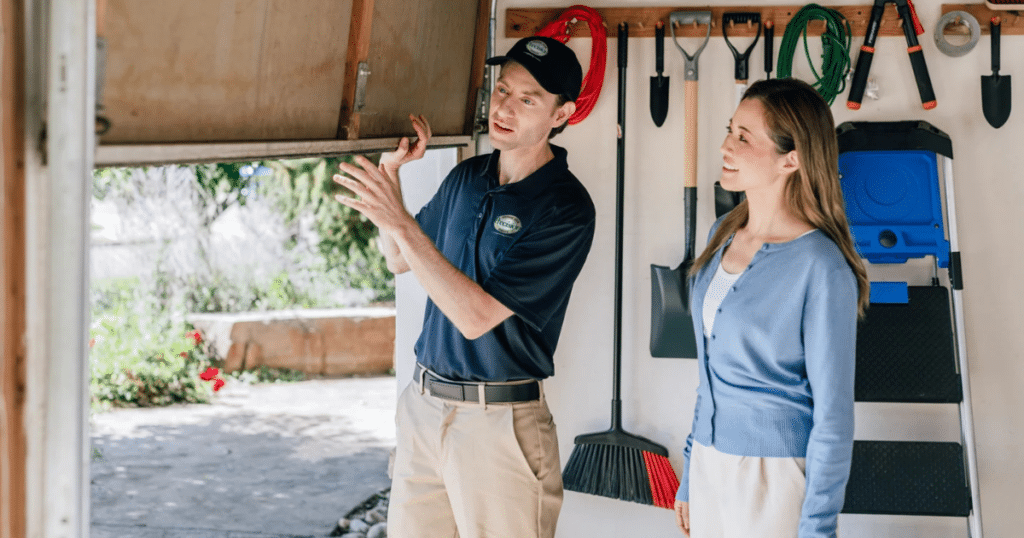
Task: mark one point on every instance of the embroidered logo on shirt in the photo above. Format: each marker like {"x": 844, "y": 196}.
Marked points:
{"x": 508, "y": 224}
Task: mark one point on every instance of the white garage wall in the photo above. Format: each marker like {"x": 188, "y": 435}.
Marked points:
{"x": 659, "y": 394}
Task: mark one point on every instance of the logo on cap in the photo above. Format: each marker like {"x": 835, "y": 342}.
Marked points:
{"x": 537, "y": 48}
{"x": 508, "y": 224}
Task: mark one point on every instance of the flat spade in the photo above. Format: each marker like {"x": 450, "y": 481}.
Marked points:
{"x": 659, "y": 83}
{"x": 995, "y": 88}
{"x": 672, "y": 333}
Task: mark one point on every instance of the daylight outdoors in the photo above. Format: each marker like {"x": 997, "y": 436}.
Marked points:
{"x": 240, "y": 349}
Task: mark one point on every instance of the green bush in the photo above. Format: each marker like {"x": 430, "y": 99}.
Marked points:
{"x": 217, "y": 292}
{"x": 266, "y": 374}
{"x": 140, "y": 356}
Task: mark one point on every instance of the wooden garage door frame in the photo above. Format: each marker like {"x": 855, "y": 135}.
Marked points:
{"x": 60, "y": 102}
{"x": 12, "y": 270}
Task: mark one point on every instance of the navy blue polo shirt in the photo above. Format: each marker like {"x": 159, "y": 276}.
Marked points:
{"x": 524, "y": 243}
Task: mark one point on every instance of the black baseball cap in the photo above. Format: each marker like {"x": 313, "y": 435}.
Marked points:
{"x": 553, "y": 64}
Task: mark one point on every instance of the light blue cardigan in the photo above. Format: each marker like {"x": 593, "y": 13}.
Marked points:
{"x": 777, "y": 372}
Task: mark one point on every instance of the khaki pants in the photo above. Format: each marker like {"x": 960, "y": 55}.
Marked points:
{"x": 733, "y": 496}
{"x": 468, "y": 470}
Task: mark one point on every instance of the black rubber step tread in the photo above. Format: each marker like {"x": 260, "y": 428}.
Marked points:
{"x": 893, "y": 136}
{"x": 908, "y": 478}
{"x": 905, "y": 352}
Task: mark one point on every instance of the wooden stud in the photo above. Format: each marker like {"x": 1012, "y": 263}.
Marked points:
{"x": 358, "y": 51}
{"x": 12, "y": 271}
{"x": 476, "y": 73}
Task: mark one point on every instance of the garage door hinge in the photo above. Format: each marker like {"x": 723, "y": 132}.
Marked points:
{"x": 483, "y": 105}
{"x": 361, "y": 78}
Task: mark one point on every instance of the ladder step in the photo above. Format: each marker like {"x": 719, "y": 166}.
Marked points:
{"x": 905, "y": 352}
{"x": 908, "y": 478}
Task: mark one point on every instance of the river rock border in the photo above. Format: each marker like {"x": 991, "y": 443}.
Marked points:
{"x": 369, "y": 519}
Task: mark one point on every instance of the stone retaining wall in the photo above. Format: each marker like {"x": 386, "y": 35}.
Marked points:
{"x": 319, "y": 342}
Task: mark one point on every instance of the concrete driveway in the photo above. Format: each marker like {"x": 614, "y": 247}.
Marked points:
{"x": 269, "y": 460}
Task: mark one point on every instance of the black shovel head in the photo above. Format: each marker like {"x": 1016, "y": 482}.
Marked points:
{"x": 995, "y": 98}
{"x": 672, "y": 333}
{"x": 659, "y": 99}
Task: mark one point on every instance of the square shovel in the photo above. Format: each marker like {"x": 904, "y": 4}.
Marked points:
{"x": 995, "y": 88}
{"x": 672, "y": 333}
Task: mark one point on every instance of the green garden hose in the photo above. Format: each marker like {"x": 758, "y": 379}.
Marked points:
{"x": 835, "y": 43}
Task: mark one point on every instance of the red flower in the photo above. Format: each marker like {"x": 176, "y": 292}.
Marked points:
{"x": 92, "y": 342}
{"x": 196, "y": 336}
{"x": 209, "y": 374}
{"x": 183, "y": 354}
{"x": 217, "y": 384}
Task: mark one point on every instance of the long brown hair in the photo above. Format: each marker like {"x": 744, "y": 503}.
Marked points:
{"x": 799, "y": 119}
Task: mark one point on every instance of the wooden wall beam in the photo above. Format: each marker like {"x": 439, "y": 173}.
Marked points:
{"x": 12, "y": 270}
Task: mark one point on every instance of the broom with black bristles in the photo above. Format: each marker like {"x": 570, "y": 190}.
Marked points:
{"x": 616, "y": 463}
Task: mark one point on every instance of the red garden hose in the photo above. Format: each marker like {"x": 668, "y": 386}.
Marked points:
{"x": 559, "y": 29}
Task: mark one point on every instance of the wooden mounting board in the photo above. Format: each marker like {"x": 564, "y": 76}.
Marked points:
{"x": 523, "y": 22}
{"x": 1012, "y": 23}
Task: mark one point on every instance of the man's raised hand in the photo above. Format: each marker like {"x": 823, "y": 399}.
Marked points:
{"x": 390, "y": 162}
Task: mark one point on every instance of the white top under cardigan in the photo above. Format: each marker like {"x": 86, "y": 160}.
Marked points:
{"x": 717, "y": 290}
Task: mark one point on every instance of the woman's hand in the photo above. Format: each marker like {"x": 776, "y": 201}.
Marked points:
{"x": 683, "y": 516}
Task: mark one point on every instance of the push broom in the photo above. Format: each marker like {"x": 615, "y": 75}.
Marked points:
{"x": 616, "y": 463}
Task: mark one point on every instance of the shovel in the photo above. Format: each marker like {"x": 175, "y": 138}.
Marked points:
{"x": 671, "y": 319}
{"x": 659, "y": 83}
{"x": 995, "y": 88}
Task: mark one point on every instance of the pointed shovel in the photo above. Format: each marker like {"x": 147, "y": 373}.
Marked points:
{"x": 995, "y": 88}
{"x": 659, "y": 83}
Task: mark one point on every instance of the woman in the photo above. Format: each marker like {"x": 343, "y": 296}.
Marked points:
{"x": 776, "y": 296}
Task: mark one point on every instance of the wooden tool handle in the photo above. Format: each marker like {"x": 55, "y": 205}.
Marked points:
{"x": 690, "y": 135}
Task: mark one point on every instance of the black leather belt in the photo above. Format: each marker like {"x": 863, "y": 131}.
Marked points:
{"x": 465, "y": 391}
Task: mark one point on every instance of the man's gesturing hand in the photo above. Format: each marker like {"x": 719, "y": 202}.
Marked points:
{"x": 391, "y": 161}
{"x": 379, "y": 197}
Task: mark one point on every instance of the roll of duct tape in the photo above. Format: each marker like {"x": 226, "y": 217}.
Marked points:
{"x": 957, "y": 17}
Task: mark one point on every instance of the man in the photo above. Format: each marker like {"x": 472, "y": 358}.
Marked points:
{"x": 497, "y": 250}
